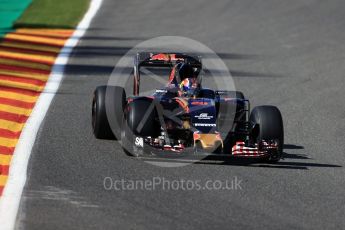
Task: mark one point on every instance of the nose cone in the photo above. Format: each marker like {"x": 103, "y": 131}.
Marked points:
{"x": 208, "y": 141}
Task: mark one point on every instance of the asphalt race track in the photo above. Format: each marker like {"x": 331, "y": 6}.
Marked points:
{"x": 285, "y": 53}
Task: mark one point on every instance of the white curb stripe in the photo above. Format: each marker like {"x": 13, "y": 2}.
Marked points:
{"x": 10, "y": 199}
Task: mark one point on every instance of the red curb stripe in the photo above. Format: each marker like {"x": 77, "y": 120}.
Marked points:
{"x": 13, "y": 117}
{"x": 20, "y": 91}
{"x": 23, "y": 69}
{"x": 16, "y": 103}
{"x": 4, "y": 169}
{"x": 29, "y": 90}
{"x": 22, "y": 80}
{"x": 27, "y": 51}
{"x": 9, "y": 134}
{"x": 6, "y": 150}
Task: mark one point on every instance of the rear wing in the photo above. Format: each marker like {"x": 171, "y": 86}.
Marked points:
{"x": 168, "y": 60}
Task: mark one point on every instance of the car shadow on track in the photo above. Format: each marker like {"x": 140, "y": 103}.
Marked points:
{"x": 119, "y": 51}
{"x": 288, "y": 161}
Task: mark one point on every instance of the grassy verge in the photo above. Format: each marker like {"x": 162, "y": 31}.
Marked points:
{"x": 53, "y": 14}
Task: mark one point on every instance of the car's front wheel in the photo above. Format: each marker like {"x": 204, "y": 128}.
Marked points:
{"x": 267, "y": 125}
{"x": 107, "y": 111}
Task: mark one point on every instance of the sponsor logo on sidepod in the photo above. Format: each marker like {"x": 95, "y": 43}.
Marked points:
{"x": 204, "y": 125}
{"x": 203, "y": 116}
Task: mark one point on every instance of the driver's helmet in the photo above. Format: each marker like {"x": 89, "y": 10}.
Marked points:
{"x": 188, "y": 80}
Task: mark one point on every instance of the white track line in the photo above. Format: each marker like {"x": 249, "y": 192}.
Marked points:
{"x": 10, "y": 200}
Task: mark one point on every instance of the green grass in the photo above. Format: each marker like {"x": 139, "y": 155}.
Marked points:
{"x": 53, "y": 14}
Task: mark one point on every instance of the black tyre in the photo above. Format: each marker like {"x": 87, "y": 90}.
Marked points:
{"x": 107, "y": 108}
{"x": 268, "y": 125}
{"x": 115, "y": 105}
{"x": 139, "y": 121}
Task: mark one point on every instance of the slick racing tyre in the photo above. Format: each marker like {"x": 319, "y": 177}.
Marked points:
{"x": 107, "y": 100}
{"x": 268, "y": 125}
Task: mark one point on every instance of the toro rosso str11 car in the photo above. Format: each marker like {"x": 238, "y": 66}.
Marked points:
{"x": 185, "y": 117}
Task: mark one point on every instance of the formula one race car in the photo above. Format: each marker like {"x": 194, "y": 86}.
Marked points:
{"x": 185, "y": 117}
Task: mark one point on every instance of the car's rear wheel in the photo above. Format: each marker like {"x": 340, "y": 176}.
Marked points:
{"x": 107, "y": 111}
{"x": 267, "y": 125}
